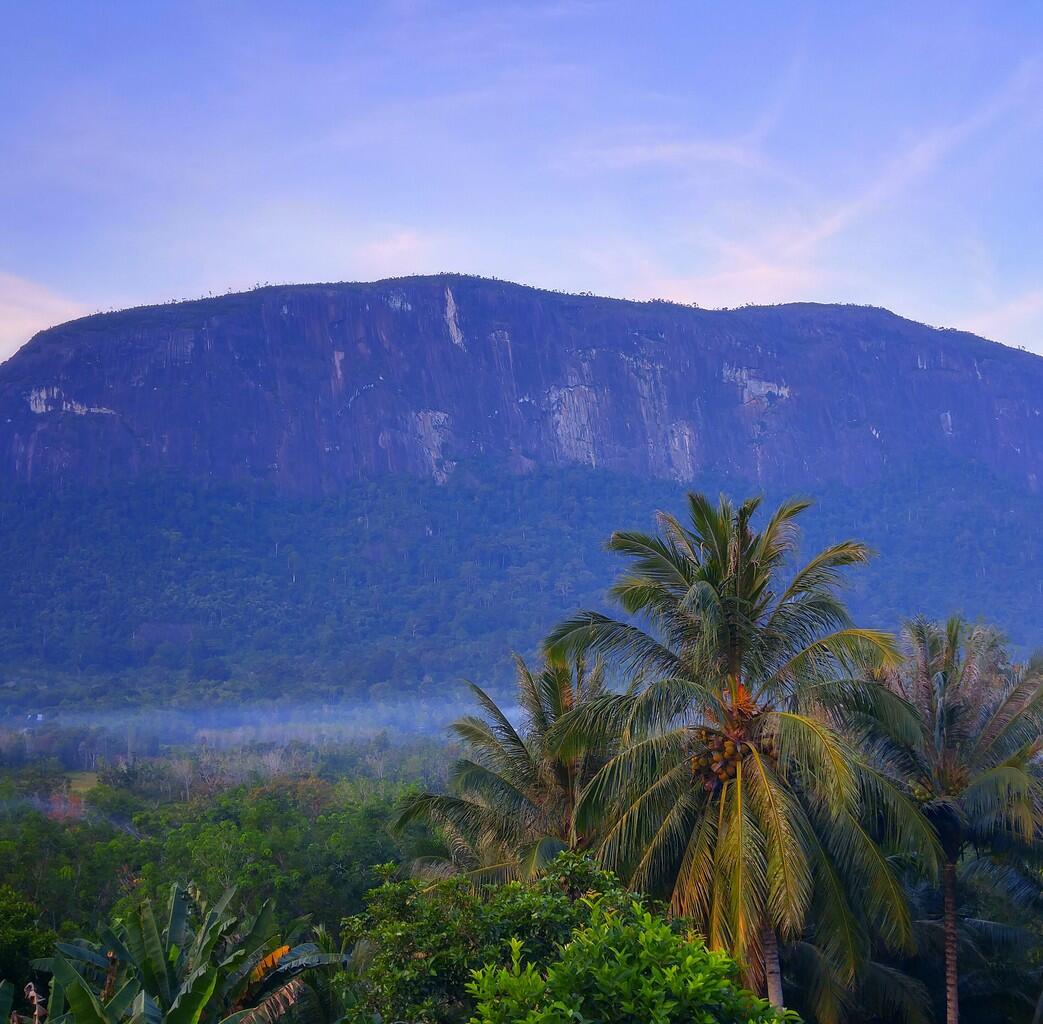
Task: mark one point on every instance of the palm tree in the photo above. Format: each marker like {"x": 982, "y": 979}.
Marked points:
{"x": 511, "y": 800}
{"x": 740, "y": 792}
{"x": 998, "y": 946}
{"x": 974, "y": 762}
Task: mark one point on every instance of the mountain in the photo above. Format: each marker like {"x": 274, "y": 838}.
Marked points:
{"x": 375, "y": 489}
{"x": 313, "y": 386}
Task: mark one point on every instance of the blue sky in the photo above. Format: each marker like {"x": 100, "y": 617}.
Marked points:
{"x": 711, "y": 153}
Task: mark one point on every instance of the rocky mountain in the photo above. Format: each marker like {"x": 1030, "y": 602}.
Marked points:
{"x": 373, "y": 490}
{"x": 314, "y": 386}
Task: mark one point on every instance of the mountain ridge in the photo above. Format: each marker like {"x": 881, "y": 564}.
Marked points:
{"x": 453, "y": 275}
{"x": 309, "y": 386}
{"x": 797, "y": 304}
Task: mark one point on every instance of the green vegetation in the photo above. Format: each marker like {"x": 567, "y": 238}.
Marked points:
{"x": 767, "y": 795}
{"x": 419, "y": 943}
{"x": 765, "y": 772}
{"x": 443, "y": 953}
{"x": 621, "y": 967}
{"x": 271, "y": 821}
{"x": 22, "y": 940}
{"x": 167, "y": 592}
{"x": 204, "y": 967}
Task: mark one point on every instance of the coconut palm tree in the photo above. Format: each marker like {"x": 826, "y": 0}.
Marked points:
{"x": 511, "y": 800}
{"x": 974, "y": 764}
{"x": 741, "y": 792}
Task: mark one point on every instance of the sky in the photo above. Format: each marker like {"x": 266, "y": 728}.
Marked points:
{"x": 889, "y": 154}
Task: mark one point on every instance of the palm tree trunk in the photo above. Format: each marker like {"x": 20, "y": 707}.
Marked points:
{"x": 952, "y": 996}
{"x": 772, "y": 966}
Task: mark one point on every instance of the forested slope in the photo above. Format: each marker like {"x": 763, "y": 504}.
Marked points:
{"x": 165, "y": 590}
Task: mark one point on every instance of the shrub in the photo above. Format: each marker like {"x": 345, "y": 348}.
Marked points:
{"x": 22, "y": 939}
{"x": 418, "y": 945}
{"x": 622, "y": 966}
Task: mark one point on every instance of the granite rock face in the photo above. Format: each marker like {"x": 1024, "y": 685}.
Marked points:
{"x": 311, "y": 386}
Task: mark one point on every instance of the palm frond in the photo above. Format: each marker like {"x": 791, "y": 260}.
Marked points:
{"x": 786, "y": 834}
{"x": 630, "y": 646}
{"x": 821, "y": 754}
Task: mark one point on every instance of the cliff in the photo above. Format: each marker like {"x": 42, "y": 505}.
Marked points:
{"x": 311, "y": 386}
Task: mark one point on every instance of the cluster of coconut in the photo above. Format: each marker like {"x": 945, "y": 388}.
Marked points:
{"x": 720, "y": 758}
{"x": 718, "y": 762}
{"x": 922, "y": 791}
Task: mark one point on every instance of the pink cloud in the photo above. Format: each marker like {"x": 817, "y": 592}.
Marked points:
{"x": 27, "y": 307}
{"x": 1019, "y": 321}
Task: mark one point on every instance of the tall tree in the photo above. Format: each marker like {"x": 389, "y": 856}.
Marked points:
{"x": 511, "y": 799}
{"x": 974, "y": 762}
{"x": 740, "y": 790}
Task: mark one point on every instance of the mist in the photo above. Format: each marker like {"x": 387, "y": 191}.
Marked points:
{"x": 223, "y": 726}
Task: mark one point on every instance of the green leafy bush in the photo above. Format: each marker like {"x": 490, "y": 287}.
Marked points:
{"x": 622, "y": 966}
{"x": 22, "y": 939}
{"x": 418, "y": 944}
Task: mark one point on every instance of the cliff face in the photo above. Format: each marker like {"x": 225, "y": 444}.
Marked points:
{"x": 311, "y": 386}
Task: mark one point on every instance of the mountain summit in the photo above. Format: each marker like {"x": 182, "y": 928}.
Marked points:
{"x": 311, "y": 387}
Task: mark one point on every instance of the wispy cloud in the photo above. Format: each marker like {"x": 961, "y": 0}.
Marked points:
{"x": 27, "y": 307}
{"x": 920, "y": 160}
{"x": 736, "y": 278}
{"x": 649, "y": 145}
{"x": 744, "y": 149}
{"x": 1018, "y": 320}
{"x": 402, "y": 247}
{"x": 783, "y": 258}
{"x": 750, "y": 281}
{"x": 621, "y": 156}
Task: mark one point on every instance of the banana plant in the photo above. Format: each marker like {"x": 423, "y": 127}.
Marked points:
{"x": 33, "y": 997}
{"x": 219, "y": 972}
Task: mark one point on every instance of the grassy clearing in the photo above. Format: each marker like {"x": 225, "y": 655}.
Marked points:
{"x": 81, "y": 782}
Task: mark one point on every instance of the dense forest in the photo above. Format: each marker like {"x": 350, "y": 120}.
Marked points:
{"x": 711, "y": 795}
{"x": 178, "y": 593}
